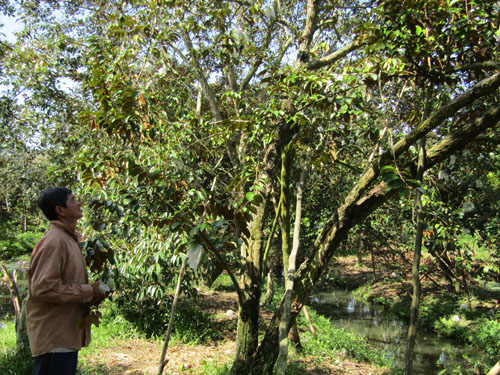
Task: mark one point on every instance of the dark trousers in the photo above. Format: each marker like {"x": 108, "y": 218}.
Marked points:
{"x": 56, "y": 364}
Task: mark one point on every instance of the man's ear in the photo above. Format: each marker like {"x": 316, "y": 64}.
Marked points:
{"x": 59, "y": 210}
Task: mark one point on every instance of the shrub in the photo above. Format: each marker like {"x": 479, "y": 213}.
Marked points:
{"x": 151, "y": 317}
{"x": 16, "y": 363}
{"x": 485, "y": 336}
{"x": 14, "y": 244}
{"x": 452, "y": 326}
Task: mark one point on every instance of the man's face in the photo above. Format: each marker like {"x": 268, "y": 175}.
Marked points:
{"x": 73, "y": 210}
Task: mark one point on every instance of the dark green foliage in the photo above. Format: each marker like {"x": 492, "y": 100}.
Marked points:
{"x": 486, "y": 336}
{"x": 14, "y": 243}
{"x": 152, "y": 317}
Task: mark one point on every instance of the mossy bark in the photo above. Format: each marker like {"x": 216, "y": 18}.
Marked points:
{"x": 249, "y": 298}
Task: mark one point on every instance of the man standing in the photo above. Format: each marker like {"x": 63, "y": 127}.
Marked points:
{"x": 59, "y": 292}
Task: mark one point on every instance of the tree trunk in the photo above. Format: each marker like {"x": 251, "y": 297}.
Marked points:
{"x": 249, "y": 298}
{"x": 360, "y": 249}
{"x": 372, "y": 252}
{"x": 286, "y": 240}
{"x": 172, "y": 315}
{"x": 285, "y": 319}
{"x": 415, "y": 303}
{"x": 14, "y": 292}
{"x": 269, "y": 289}
{"x": 22, "y": 340}
{"x": 247, "y": 332}
{"x": 294, "y": 336}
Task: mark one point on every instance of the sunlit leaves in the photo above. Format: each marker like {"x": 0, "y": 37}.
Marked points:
{"x": 433, "y": 37}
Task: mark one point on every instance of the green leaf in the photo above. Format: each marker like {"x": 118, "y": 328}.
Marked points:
{"x": 421, "y": 190}
{"x": 250, "y": 196}
{"x": 403, "y": 192}
{"x": 388, "y": 177}
{"x": 387, "y": 169}
{"x": 396, "y": 184}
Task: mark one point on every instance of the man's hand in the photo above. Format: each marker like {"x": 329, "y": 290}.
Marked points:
{"x": 100, "y": 293}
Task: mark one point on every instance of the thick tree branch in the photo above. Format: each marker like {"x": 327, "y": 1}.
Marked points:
{"x": 463, "y": 136}
{"x": 336, "y": 56}
{"x": 359, "y": 210}
{"x": 482, "y": 88}
{"x": 487, "y": 65}
{"x": 485, "y": 139}
{"x": 222, "y": 260}
{"x": 307, "y": 33}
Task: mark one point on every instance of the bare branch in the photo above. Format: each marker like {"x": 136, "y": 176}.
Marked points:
{"x": 212, "y": 100}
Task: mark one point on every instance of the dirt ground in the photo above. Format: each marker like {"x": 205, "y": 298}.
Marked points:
{"x": 141, "y": 357}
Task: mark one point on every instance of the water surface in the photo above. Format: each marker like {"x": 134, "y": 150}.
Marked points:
{"x": 432, "y": 353}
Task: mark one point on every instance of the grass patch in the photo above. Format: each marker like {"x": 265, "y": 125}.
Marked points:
{"x": 13, "y": 362}
{"x": 191, "y": 325}
{"x": 7, "y": 334}
{"x": 333, "y": 342}
{"x": 213, "y": 368}
{"x": 112, "y": 327}
{"x": 223, "y": 283}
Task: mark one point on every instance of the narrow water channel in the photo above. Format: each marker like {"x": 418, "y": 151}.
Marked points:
{"x": 432, "y": 353}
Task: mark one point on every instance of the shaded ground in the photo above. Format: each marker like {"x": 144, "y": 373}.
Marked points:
{"x": 141, "y": 357}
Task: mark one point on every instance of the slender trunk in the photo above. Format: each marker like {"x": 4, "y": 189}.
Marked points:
{"x": 269, "y": 289}
{"x": 417, "y": 290}
{"x": 373, "y": 263}
{"x": 361, "y": 248}
{"x": 22, "y": 340}
{"x": 285, "y": 207}
{"x": 311, "y": 327}
{"x": 14, "y": 291}
{"x": 163, "y": 362}
{"x": 285, "y": 319}
{"x": 412, "y": 329}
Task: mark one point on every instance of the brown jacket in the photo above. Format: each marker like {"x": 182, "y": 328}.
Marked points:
{"x": 58, "y": 287}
